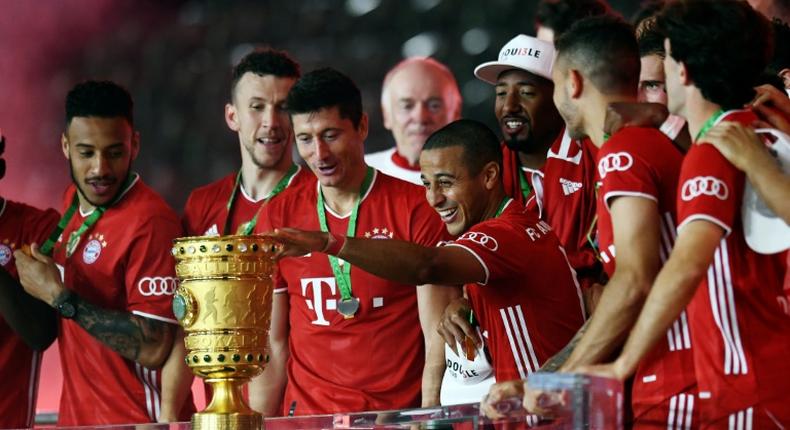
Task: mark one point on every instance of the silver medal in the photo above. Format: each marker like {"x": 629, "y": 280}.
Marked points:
{"x": 348, "y": 307}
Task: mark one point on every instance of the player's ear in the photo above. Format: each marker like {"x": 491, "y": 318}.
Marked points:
{"x": 231, "y": 117}
{"x": 64, "y": 145}
{"x": 575, "y": 83}
{"x": 492, "y": 175}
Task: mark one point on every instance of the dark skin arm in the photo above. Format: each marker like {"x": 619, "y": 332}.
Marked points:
{"x": 33, "y": 320}
{"x": 143, "y": 340}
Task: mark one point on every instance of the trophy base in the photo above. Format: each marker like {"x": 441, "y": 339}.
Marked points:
{"x": 229, "y": 421}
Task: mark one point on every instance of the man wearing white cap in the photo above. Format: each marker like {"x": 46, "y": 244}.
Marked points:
{"x": 419, "y": 96}
{"x": 535, "y": 143}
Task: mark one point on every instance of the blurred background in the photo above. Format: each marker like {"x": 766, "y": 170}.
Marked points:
{"x": 175, "y": 58}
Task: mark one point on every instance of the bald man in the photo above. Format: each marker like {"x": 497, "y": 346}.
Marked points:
{"x": 419, "y": 96}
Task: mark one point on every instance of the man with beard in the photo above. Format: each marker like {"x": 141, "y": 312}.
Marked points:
{"x": 261, "y": 82}
{"x": 342, "y": 339}
{"x": 419, "y": 96}
{"x": 732, "y": 293}
{"x": 111, "y": 275}
{"x": 27, "y": 326}
{"x": 516, "y": 275}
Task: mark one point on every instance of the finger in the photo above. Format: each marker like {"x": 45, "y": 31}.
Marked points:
{"x": 773, "y": 117}
{"x": 448, "y": 337}
{"x": 467, "y": 329}
{"x": 456, "y": 332}
{"x": 35, "y": 252}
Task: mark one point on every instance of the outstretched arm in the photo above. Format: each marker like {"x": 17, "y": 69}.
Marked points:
{"x": 396, "y": 260}
{"x": 672, "y": 291}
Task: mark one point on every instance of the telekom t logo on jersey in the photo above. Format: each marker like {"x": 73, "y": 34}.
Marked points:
{"x": 318, "y": 304}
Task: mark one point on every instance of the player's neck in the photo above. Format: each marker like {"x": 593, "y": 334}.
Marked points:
{"x": 259, "y": 182}
{"x": 699, "y": 110}
{"x": 342, "y": 198}
{"x": 495, "y": 200}
{"x": 85, "y": 206}
{"x": 597, "y": 115}
{"x": 536, "y": 158}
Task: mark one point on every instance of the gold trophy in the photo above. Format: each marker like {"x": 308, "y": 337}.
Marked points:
{"x": 224, "y": 303}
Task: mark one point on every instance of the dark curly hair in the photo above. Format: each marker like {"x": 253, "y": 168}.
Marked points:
{"x": 724, "y": 44}
{"x": 103, "y": 99}
{"x": 326, "y": 88}
{"x": 265, "y": 61}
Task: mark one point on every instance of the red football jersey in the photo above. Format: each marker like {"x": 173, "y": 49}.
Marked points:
{"x": 643, "y": 162}
{"x": 566, "y": 200}
{"x": 122, "y": 263}
{"x": 530, "y": 305}
{"x": 742, "y": 364}
{"x": 207, "y": 207}
{"x": 20, "y": 224}
{"x": 373, "y": 361}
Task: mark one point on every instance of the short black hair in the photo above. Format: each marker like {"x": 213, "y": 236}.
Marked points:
{"x": 102, "y": 99}
{"x": 559, "y": 15}
{"x": 725, "y": 45}
{"x": 323, "y": 89}
{"x": 479, "y": 143}
{"x": 650, "y": 38}
{"x": 604, "y": 49}
{"x": 265, "y": 61}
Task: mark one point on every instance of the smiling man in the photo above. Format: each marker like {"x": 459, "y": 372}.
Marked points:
{"x": 111, "y": 275}
{"x": 419, "y": 96}
{"x": 261, "y": 82}
{"x": 516, "y": 275}
{"x": 341, "y": 339}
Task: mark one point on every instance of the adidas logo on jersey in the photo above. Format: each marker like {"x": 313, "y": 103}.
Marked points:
{"x": 570, "y": 187}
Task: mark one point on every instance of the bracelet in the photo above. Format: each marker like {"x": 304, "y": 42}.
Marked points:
{"x": 334, "y": 244}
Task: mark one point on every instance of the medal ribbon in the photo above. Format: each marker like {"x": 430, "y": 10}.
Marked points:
{"x": 526, "y": 190}
{"x": 93, "y": 218}
{"x": 343, "y": 276}
{"x": 708, "y": 124}
{"x": 246, "y": 228}
{"x": 501, "y": 207}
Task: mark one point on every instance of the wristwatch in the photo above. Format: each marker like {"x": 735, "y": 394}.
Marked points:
{"x": 67, "y": 306}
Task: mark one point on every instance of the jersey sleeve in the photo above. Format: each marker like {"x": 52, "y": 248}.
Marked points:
{"x": 426, "y": 228}
{"x": 496, "y": 246}
{"x": 624, "y": 169}
{"x": 38, "y": 225}
{"x": 150, "y": 277}
{"x": 710, "y": 188}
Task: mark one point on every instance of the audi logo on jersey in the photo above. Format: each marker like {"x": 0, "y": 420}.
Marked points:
{"x": 615, "y": 162}
{"x": 481, "y": 239}
{"x": 157, "y": 286}
{"x": 704, "y": 186}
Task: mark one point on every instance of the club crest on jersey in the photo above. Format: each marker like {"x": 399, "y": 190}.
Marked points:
{"x": 704, "y": 186}
{"x": 93, "y": 248}
{"x": 379, "y": 233}
{"x": 614, "y": 162}
{"x": 6, "y": 252}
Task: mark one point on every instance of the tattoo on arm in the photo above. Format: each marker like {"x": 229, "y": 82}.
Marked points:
{"x": 125, "y": 333}
{"x": 555, "y": 362}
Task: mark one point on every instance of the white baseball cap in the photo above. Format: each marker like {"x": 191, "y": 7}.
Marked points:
{"x": 765, "y": 232}
{"x": 522, "y": 52}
